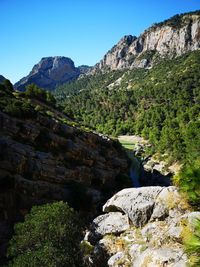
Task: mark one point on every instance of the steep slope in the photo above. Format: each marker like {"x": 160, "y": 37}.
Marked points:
{"x": 51, "y": 72}
{"x": 43, "y": 160}
{"x": 161, "y": 103}
{"x": 171, "y": 38}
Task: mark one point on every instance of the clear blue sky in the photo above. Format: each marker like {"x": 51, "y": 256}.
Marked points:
{"x": 80, "y": 29}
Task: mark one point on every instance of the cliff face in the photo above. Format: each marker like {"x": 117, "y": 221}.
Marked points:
{"x": 43, "y": 160}
{"x": 173, "y": 37}
{"x": 51, "y": 72}
{"x": 40, "y": 160}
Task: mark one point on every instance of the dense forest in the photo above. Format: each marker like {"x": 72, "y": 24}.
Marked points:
{"x": 162, "y": 104}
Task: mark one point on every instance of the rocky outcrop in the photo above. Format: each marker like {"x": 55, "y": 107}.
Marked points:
{"x": 51, "y": 72}
{"x": 174, "y": 37}
{"x": 42, "y": 157}
{"x": 153, "y": 236}
{"x": 137, "y": 203}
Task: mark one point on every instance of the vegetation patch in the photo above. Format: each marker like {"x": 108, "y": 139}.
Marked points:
{"x": 162, "y": 104}
{"x": 49, "y": 236}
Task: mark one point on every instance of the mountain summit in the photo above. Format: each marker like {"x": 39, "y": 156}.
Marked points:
{"x": 51, "y": 72}
{"x": 173, "y": 37}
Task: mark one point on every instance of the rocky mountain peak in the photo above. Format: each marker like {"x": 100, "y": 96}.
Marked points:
{"x": 173, "y": 37}
{"x": 52, "y": 63}
{"x": 51, "y": 72}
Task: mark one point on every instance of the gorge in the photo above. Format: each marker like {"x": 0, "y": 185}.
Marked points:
{"x": 58, "y": 143}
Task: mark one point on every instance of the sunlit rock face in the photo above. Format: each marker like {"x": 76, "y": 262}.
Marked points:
{"x": 141, "y": 227}
{"x": 167, "y": 39}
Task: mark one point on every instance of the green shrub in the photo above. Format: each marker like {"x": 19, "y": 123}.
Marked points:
{"x": 33, "y": 91}
{"x": 188, "y": 181}
{"x": 19, "y": 109}
{"x": 8, "y": 86}
{"x": 49, "y": 236}
{"x": 192, "y": 244}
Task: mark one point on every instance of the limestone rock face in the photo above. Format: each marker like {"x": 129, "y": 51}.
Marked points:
{"x": 51, "y": 72}
{"x": 167, "y": 39}
{"x": 154, "y": 236}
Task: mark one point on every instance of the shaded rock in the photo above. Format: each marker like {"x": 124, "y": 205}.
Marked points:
{"x": 43, "y": 160}
{"x": 100, "y": 256}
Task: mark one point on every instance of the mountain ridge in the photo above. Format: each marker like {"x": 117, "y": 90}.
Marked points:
{"x": 172, "y": 37}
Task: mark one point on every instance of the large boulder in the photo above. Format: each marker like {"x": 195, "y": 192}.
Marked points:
{"x": 137, "y": 203}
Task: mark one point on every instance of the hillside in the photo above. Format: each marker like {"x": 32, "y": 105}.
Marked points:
{"x": 161, "y": 104}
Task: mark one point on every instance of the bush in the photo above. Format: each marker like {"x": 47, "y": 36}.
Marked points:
{"x": 49, "y": 236}
{"x": 188, "y": 181}
{"x": 19, "y": 109}
{"x": 33, "y": 91}
{"x": 192, "y": 244}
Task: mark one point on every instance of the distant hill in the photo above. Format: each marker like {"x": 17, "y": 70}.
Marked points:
{"x": 51, "y": 72}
